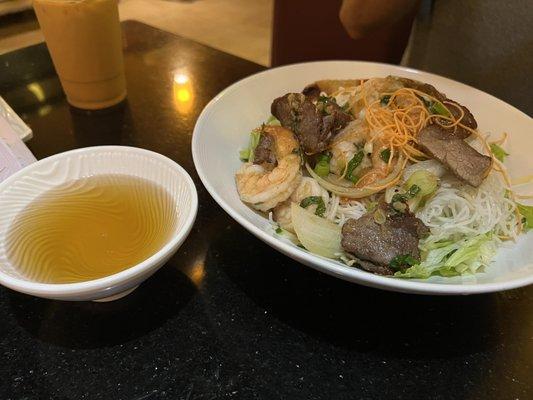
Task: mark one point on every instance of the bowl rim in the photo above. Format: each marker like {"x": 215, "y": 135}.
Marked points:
{"x": 110, "y": 281}
{"x": 322, "y": 264}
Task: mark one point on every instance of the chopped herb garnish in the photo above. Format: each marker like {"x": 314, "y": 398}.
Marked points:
{"x": 346, "y": 108}
{"x": 371, "y": 206}
{"x": 326, "y": 99}
{"x": 385, "y": 100}
{"x": 402, "y": 261}
{"x": 427, "y": 103}
{"x": 319, "y": 201}
{"x": 498, "y": 152}
{"x": 385, "y": 155}
{"x": 438, "y": 108}
{"x": 403, "y": 197}
{"x": 244, "y": 155}
{"x": 272, "y": 121}
{"x": 323, "y": 102}
{"x": 322, "y": 164}
{"x": 353, "y": 164}
{"x": 399, "y": 197}
{"x": 527, "y": 213}
{"x": 413, "y": 190}
{"x": 279, "y": 231}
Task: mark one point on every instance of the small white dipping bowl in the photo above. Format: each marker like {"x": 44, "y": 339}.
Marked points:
{"x": 24, "y": 186}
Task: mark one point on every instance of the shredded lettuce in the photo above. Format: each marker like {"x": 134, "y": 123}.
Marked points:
{"x": 451, "y": 258}
{"x": 498, "y": 152}
{"x": 272, "y": 121}
{"x": 527, "y": 214}
{"x": 248, "y": 153}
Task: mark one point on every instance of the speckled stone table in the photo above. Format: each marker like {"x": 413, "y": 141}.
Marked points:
{"x": 228, "y": 317}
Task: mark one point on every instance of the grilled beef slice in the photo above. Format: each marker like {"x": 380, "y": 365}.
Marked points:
{"x": 264, "y": 153}
{"x": 468, "y": 119}
{"x": 314, "y": 127}
{"x": 376, "y": 245}
{"x": 457, "y": 155}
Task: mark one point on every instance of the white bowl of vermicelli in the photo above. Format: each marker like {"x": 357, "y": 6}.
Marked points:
{"x": 376, "y": 174}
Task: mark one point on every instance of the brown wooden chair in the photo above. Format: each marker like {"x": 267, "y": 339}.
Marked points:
{"x": 306, "y": 30}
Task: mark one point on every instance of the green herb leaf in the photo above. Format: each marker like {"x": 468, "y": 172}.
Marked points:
{"x": 322, "y": 165}
{"x": 426, "y": 102}
{"x": 402, "y": 261}
{"x": 527, "y": 213}
{"x": 272, "y": 121}
{"x": 413, "y": 190}
{"x": 326, "y": 100}
{"x": 353, "y": 164}
{"x": 399, "y": 197}
{"x": 385, "y": 100}
{"x": 385, "y": 155}
{"x": 438, "y": 108}
{"x": 319, "y": 201}
{"x": 498, "y": 152}
{"x": 279, "y": 230}
{"x": 244, "y": 155}
{"x": 346, "y": 108}
{"x": 371, "y": 206}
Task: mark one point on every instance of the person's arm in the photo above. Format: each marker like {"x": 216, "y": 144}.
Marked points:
{"x": 361, "y": 17}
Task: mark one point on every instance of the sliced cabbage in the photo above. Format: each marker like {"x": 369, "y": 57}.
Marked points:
{"x": 318, "y": 235}
{"x": 462, "y": 257}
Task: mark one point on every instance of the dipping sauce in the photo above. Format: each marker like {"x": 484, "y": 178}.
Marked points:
{"x": 90, "y": 228}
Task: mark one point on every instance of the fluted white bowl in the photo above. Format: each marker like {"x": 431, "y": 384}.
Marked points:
{"x": 20, "y": 189}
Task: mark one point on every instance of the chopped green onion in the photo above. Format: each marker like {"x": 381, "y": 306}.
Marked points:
{"x": 379, "y": 216}
{"x": 438, "y": 108}
{"x": 401, "y": 261}
{"x": 413, "y": 190}
{"x": 371, "y": 206}
{"x": 244, "y": 155}
{"x": 527, "y": 213}
{"x": 426, "y": 102}
{"x": 385, "y": 155}
{"x": 326, "y": 99}
{"x": 279, "y": 230}
{"x": 426, "y": 182}
{"x": 319, "y": 201}
{"x": 385, "y": 100}
{"x": 398, "y": 197}
{"x": 346, "y": 108}
{"x": 353, "y": 164}
{"x": 322, "y": 165}
{"x": 498, "y": 152}
{"x": 272, "y": 121}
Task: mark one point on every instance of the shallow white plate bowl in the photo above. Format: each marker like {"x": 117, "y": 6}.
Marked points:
{"x": 224, "y": 125}
{"x": 22, "y": 187}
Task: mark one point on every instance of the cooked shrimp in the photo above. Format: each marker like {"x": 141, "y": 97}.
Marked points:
{"x": 307, "y": 187}
{"x": 346, "y": 144}
{"x": 379, "y": 168}
{"x": 264, "y": 189}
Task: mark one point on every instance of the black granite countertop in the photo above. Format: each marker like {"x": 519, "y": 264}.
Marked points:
{"x": 229, "y": 317}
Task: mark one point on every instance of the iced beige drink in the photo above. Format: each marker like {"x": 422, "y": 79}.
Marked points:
{"x": 84, "y": 39}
